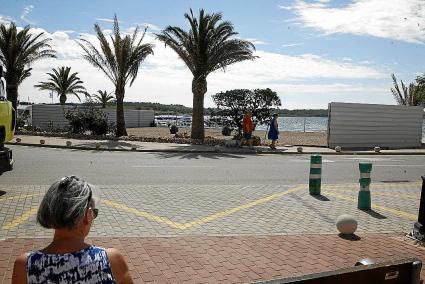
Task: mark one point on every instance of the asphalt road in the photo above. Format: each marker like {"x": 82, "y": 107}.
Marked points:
{"x": 41, "y": 166}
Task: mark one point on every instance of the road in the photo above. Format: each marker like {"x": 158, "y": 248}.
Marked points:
{"x": 41, "y": 166}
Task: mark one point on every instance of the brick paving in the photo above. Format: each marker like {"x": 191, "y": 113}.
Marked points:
{"x": 233, "y": 259}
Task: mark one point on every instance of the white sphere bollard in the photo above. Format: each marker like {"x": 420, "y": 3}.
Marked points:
{"x": 338, "y": 149}
{"x": 300, "y": 149}
{"x": 98, "y": 146}
{"x": 133, "y": 147}
{"x": 377, "y": 149}
{"x": 346, "y": 224}
{"x": 68, "y": 143}
{"x": 42, "y": 142}
{"x": 18, "y": 140}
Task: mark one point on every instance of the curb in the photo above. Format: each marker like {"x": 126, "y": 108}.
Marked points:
{"x": 348, "y": 153}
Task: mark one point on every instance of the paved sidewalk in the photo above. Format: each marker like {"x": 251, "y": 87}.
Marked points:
{"x": 113, "y": 145}
{"x": 234, "y": 259}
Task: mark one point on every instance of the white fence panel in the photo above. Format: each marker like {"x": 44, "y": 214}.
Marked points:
{"x": 44, "y": 115}
{"x": 353, "y": 125}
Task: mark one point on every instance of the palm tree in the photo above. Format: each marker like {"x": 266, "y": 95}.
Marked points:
{"x": 205, "y": 48}
{"x": 120, "y": 62}
{"x": 103, "y": 97}
{"x": 63, "y": 83}
{"x": 18, "y": 50}
{"x": 413, "y": 95}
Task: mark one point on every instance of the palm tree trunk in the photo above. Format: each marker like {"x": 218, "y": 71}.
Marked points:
{"x": 121, "y": 130}
{"x": 199, "y": 88}
{"x": 62, "y": 99}
{"x": 12, "y": 92}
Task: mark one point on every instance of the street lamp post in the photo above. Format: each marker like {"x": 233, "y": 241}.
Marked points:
{"x": 419, "y": 227}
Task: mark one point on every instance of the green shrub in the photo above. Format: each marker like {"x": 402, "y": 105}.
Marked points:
{"x": 226, "y": 131}
{"x": 174, "y": 129}
{"x": 89, "y": 118}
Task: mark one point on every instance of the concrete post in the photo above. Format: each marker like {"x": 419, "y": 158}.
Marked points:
{"x": 419, "y": 227}
{"x": 315, "y": 180}
{"x": 364, "y": 202}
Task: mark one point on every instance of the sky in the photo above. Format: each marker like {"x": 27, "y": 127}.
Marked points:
{"x": 310, "y": 52}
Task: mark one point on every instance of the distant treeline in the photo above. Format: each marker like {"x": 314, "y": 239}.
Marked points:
{"x": 160, "y": 108}
{"x": 181, "y": 109}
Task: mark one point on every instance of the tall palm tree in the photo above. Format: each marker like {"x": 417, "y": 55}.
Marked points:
{"x": 120, "y": 62}
{"x": 205, "y": 48}
{"x": 103, "y": 97}
{"x": 18, "y": 50}
{"x": 64, "y": 83}
{"x": 413, "y": 95}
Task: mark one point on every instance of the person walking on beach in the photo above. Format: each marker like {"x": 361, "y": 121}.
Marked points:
{"x": 273, "y": 131}
{"x": 248, "y": 127}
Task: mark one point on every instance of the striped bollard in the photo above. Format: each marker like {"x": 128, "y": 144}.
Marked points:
{"x": 315, "y": 180}
{"x": 364, "y": 202}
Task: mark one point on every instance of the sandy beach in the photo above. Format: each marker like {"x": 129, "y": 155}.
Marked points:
{"x": 285, "y": 138}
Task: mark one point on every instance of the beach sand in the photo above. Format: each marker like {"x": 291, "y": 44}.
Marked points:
{"x": 285, "y": 138}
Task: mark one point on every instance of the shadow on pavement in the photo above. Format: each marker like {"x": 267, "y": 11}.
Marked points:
{"x": 351, "y": 237}
{"x": 312, "y": 208}
{"x": 191, "y": 156}
{"x": 375, "y": 214}
{"x": 321, "y": 197}
{"x": 108, "y": 144}
{"x": 2, "y": 192}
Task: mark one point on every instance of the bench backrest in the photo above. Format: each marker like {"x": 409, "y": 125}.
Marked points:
{"x": 406, "y": 271}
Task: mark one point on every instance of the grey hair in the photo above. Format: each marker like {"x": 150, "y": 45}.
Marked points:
{"x": 65, "y": 203}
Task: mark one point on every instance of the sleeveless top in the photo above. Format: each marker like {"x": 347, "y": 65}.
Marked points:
{"x": 89, "y": 265}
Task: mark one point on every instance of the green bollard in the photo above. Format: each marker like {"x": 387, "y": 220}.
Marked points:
{"x": 364, "y": 201}
{"x": 315, "y": 179}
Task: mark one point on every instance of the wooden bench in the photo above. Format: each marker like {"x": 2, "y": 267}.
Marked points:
{"x": 406, "y": 271}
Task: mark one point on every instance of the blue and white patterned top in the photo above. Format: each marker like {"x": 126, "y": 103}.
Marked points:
{"x": 89, "y": 265}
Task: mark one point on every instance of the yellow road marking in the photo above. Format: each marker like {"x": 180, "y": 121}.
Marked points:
{"x": 21, "y": 219}
{"x": 400, "y": 213}
{"x": 20, "y": 196}
{"x": 241, "y": 207}
{"x": 221, "y": 214}
{"x": 145, "y": 214}
{"x": 402, "y": 195}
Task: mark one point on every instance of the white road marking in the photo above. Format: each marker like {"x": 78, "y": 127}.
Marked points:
{"x": 376, "y": 159}
{"x": 398, "y": 165}
{"x": 182, "y": 166}
{"x": 308, "y": 161}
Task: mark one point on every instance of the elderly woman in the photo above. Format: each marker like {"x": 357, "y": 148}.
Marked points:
{"x": 69, "y": 207}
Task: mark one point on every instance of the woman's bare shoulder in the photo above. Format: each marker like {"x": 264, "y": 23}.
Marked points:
{"x": 22, "y": 259}
{"x": 20, "y": 269}
{"x": 119, "y": 266}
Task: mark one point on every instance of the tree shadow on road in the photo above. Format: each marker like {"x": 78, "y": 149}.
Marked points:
{"x": 196, "y": 155}
{"x": 109, "y": 144}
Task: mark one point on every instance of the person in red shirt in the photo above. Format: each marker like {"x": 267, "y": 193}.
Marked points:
{"x": 248, "y": 127}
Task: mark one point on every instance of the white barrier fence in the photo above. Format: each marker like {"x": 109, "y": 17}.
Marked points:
{"x": 44, "y": 115}
{"x": 353, "y": 125}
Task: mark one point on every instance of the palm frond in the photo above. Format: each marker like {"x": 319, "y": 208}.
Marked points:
{"x": 208, "y": 45}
